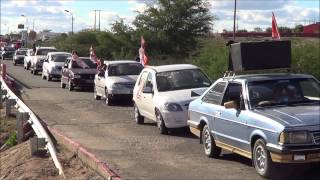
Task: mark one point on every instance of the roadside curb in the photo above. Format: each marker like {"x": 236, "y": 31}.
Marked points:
{"x": 87, "y": 157}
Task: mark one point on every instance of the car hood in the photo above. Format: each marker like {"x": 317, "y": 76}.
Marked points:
{"x": 123, "y": 79}
{"x": 58, "y": 64}
{"x": 306, "y": 115}
{"x": 181, "y": 96}
{"x": 84, "y": 71}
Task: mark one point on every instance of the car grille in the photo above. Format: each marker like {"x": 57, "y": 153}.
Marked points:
{"x": 316, "y": 137}
{"x": 87, "y": 76}
{"x": 59, "y": 68}
{"x": 21, "y": 58}
{"x": 127, "y": 85}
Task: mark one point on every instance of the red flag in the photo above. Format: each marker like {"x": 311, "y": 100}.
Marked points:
{"x": 142, "y": 55}
{"x": 275, "y": 31}
{"x": 79, "y": 62}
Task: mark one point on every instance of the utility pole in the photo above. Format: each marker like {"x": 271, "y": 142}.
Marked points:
{"x": 234, "y": 20}
{"x": 95, "y": 19}
{"x": 99, "y": 20}
{"x": 95, "y": 13}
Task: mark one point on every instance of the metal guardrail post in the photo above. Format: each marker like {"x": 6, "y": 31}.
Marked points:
{"x": 22, "y": 117}
{"x": 37, "y": 146}
{"x": 8, "y": 104}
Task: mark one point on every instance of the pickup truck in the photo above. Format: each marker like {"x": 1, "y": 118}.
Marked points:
{"x": 38, "y": 58}
{"x": 74, "y": 75}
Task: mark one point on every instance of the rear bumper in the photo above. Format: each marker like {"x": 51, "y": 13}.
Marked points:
{"x": 284, "y": 154}
{"x": 82, "y": 82}
{"x": 18, "y": 61}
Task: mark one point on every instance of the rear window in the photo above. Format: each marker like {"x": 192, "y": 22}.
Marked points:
{"x": 44, "y": 52}
{"x": 9, "y": 49}
{"x": 125, "y": 69}
{"x": 60, "y": 57}
{"x": 21, "y": 52}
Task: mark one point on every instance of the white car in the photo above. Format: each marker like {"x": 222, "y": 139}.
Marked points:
{"x": 38, "y": 58}
{"x": 53, "y": 63}
{"x": 27, "y": 59}
{"x": 163, "y": 94}
{"x": 117, "y": 79}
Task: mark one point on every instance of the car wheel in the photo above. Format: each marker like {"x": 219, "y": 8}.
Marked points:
{"x": 109, "y": 100}
{"x": 62, "y": 85}
{"x": 42, "y": 76}
{"x": 48, "y": 77}
{"x": 95, "y": 95}
{"x": 14, "y": 63}
{"x": 261, "y": 159}
{"x": 35, "y": 72}
{"x": 27, "y": 67}
{"x": 160, "y": 123}
{"x": 209, "y": 146}
{"x": 137, "y": 116}
{"x": 70, "y": 86}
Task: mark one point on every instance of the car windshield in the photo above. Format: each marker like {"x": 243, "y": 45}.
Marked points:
{"x": 60, "y": 57}
{"x": 44, "y": 52}
{"x": 87, "y": 63}
{"x": 9, "y": 49}
{"x": 182, "y": 79}
{"x": 284, "y": 92}
{"x": 125, "y": 69}
{"x": 21, "y": 52}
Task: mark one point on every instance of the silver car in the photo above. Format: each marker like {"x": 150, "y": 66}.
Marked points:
{"x": 270, "y": 118}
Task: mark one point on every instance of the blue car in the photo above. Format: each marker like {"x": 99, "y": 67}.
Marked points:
{"x": 269, "y": 118}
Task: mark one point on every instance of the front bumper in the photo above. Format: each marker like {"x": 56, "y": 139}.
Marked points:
{"x": 18, "y": 60}
{"x": 82, "y": 82}
{"x": 294, "y": 154}
{"x": 175, "y": 119}
{"x": 121, "y": 91}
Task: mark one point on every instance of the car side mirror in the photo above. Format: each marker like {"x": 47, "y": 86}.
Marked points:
{"x": 46, "y": 60}
{"x": 231, "y": 105}
{"x": 147, "y": 90}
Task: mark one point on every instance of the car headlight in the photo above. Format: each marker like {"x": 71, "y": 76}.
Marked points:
{"x": 295, "y": 137}
{"x": 173, "y": 107}
{"x": 78, "y": 76}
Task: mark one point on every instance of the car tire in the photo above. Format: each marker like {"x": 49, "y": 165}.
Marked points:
{"x": 209, "y": 145}
{"x": 42, "y": 76}
{"x": 109, "y": 99}
{"x": 48, "y": 77}
{"x": 27, "y": 67}
{"x": 261, "y": 159}
{"x": 95, "y": 95}
{"x": 14, "y": 63}
{"x": 70, "y": 86}
{"x": 62, "y": 85}
{"x": 35, "y": 72}
{"x": 137, "y": 116}
{"x": 160, "y": 123}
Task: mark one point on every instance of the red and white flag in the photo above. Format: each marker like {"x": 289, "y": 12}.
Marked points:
{"x": 93, "y": 56}
{"x": 79, "y": 62}
{"x": 275, "y": 31}
{"x": 142, "y": 55}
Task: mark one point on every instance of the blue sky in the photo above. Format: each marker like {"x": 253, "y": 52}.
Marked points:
{"x": 50, "y": 14}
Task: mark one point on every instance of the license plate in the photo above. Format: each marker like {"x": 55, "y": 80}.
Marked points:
{"x": 299, "y": 157}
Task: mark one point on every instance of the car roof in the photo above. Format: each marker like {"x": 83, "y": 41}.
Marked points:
{"x": 119, "y": 62}
{"x": 55, "y": 53}
{"x": 271, "y": 76}
{"x": 172, "y": 67}
{"x": 46, "y": 48}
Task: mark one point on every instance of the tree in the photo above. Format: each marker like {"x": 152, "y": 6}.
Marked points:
{"x": 268, "y": 30}
{"x": 174, "y": 25}
{"x": 298, "y": 28}
{"x": 283, "y": 29}
{"x": 257, "y": 29}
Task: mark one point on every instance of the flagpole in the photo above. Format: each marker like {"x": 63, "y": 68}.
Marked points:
{"x": 234, "y": 20}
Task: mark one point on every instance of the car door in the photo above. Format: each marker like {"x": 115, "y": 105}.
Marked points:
{"x": 147, "y": 97}
{"x": 99, "y": 82}
{"x": 230, "y": 123}
{"x": 139, "y": 100}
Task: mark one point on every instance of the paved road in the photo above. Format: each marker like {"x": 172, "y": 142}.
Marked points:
{"x": 134, "y": 151}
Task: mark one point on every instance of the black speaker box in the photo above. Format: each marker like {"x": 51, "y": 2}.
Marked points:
{"x": 260, "y": 55}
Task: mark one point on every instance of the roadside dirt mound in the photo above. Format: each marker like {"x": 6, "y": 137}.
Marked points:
{"x": 17, "y": 163}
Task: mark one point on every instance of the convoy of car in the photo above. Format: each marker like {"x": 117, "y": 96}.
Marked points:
{"x": 53, "y": 64}
{"x": 7, "y": 52}
{"x": 19, "y": 55}
{"x": 269, "y": 118}
{"x": 38, "y": 58}
{"x": 77, "y": 75}
{"x": 116, "y": 79}
{"x": 163, "y": 94}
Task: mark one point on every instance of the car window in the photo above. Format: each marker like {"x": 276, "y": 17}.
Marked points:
{"x": 234, "y": 93}
{"x": 44, "y": 52}
{"x": 181, "y": 79}
{"x": 215, "y": 94}
{"x": 124, "y": 69}
{"x": 149, "y": 81}
{"x": 143, "y": 78}
{"x": 60, "y": 57}
{"x": 283, "y": 92}
{"x": 21, "y": 52}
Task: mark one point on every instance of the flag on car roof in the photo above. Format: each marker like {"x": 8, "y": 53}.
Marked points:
{"x": 79, "y": 62}
{"x": 275, "y": 31}
{"x": 142, "y": 55}
{"x": 93, "y": 56}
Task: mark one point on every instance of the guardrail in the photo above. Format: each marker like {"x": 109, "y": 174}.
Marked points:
{"x": 33, "y": 120}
